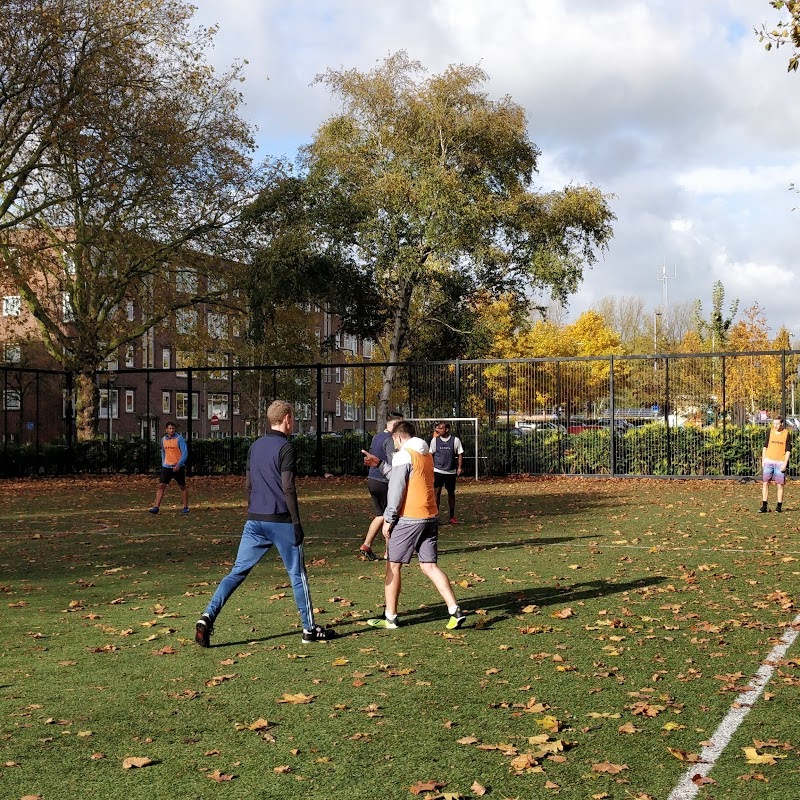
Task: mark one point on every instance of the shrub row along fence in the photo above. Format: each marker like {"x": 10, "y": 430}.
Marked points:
{"x": 679, "y": 415}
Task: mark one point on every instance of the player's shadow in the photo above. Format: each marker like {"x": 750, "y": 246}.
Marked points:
{"x": 498, "y": 607}
{"x": 518, "y": 542}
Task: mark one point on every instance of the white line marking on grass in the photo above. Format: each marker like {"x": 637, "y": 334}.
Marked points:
{"x": 687, "y": 789}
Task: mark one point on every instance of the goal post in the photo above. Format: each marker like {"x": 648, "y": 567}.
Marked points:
{"x": 473, "y": 421}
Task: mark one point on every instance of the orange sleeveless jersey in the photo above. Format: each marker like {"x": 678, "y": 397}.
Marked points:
{"x": 777, "y": 445}
{"x": 172, "y": 451}
{"x": 420, "y": 501}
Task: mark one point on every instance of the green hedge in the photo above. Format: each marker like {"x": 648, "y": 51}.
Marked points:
{"x": 647, "y": 450}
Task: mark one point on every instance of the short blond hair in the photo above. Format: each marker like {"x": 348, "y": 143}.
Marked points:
{"x": 277, "y": 410}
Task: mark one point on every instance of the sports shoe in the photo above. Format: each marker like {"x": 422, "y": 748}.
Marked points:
{"x": 153, "y": 510}
{"x": 454, "y": 521}
{"x": 369, "y": 553}
{"x": 382, "y": 622}
{"x": 319, "y": 634}
{"x": 762, "y": 510}
{"x": 778, "y": 508}
{"x": 203, "y": 630}
{"x": 185, "y": 510}
{"x": 456, "y": 620}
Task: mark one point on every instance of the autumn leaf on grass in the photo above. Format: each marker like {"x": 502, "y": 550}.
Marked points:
{"x": 165, "y": 651}
{"x": 340, "y": 662}
{"x": 133, "y": 762}
{"x": 565, "y": 613}
{"x": 702, "y": 780}
{"x": 296, "y": 699}
{"x": 283, "y": 768}
{"x": 683, "y": 755}
{"x": 426, "y": 786}
{"x": 628, "y": 727}
{"x": 754, "y": 757}
{"x": 525, "y": 763}
{"x": 219, "y": 777}
{"x": 549, "y": 723}
{"x": 611, "y": 769}
{"x": 468, "y": 740}
{"x": 646, "y": 710}
{"x": 218, "y": 679}
{"x": 260, "y": 724}
{"x": 533, "y": 706}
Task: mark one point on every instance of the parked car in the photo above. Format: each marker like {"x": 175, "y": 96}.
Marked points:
{"x": 540, "y": 427}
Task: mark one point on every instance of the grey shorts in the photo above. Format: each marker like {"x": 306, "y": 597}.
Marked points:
{"x": 414, "y": 536}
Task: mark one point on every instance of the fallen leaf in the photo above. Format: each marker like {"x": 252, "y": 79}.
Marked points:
{"x": 296, "y": 699}
{"x": 477, "y": 789}
{"x": 611, "y": 769}
{"x": 219, "y": 777}
{"x": 426, "y": 786}
{"x": 133, "y": 762}
{"x": 565, "y": 613}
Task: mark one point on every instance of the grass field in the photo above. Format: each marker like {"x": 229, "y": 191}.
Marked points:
{"x": 613, "y": 625}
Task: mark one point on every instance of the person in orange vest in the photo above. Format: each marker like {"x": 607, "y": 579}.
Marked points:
{"x": 774, "y": 462}
{"x": 173, "y": 466}
{"x": 411, "y": 523}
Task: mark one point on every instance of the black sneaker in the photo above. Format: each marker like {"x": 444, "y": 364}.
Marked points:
{"x": 203, "y": 630}
{"x": 368, "y": 552}
{"x": 319, "y": 634}
{"x": 762, "y": 510}
{"x": 778, "y": 508}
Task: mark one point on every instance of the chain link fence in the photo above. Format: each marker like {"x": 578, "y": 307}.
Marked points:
{"x": 677, "y": 415}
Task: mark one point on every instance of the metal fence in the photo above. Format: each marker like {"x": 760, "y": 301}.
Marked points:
{"x": 677, "y": 415}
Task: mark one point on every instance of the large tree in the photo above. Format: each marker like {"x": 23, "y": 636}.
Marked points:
{"x": 123, "y": 164}
{"x": 425, "y": 184}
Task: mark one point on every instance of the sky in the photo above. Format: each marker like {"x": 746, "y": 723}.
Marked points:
{"x": 671, "y": 106}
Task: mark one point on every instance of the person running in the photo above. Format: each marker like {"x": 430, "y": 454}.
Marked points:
{"x": 448, "y": 459}
{"x": 411, "y": 524}
{"x": 173, "y": 466}
{"x": 381, "y": 446}
{"x": 774, "y": 462}
{"x": 273, "y": 518}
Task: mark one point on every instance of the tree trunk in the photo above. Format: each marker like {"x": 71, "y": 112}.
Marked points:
{"x": 87, "y": 410}
{"x": 399, "y": 332}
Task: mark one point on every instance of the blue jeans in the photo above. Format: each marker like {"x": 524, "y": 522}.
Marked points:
{"x": 257, "y": 538}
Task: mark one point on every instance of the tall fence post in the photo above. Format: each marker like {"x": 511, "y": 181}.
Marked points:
{"x": 666, "y": 415}
{"x": 189, "y": 420}
{"x": 318, "y": 449}
{"x": 612, "y": 414}
{"x": 783, "y": 384}
{"x": 458, "y": 388}
{"x": 70, "y": 416}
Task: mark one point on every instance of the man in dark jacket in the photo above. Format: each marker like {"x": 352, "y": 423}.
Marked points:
{"x": 273, "y": 518}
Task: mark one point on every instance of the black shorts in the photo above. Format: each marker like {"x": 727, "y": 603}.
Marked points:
{"x": 168, "y": 474}
{"x": 444, "y": 479}
{"x": 379, "y": 492}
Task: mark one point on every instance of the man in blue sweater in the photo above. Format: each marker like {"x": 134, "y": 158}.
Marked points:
{"x": 381, "y": 446}
{"x": 273, "y": 518}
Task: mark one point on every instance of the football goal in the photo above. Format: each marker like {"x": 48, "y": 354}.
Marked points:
{"x": 469, "y": 441}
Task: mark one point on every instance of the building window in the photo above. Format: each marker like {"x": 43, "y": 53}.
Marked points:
{"x": 112, "y": 362}
{"x": 302, "y": 411}
{"x": 129, "y": 356}
{"x": 236, "y": 401}
{"x": 129, "y": 310}
{"x": 217, "y": 325}
{"x": 166, "y": 358}
{"x": 129, "y": 395}
{"x": 12, "y": 305}
{"x": 13, "y": 400}
{"x": 103, "y": 410}
{"x": 69, "y": 404}
{"x": 338, "y": 374}
{"x": 12, "y": 353}
{"x": 67, "y": 312}
{"x": 338, "y": 408}
{"x": 182, "y": 405}
{"x": 369, "y": 414}
{"x": 367, "y": 348}
{"x": 166, "y": 405}
{"x": 186, "y": 280}
{"x": 186, "y": 320}
{"x": 350, "y": 412}
{"x": 183, "y": 359}
{"x": 218, "y": 406}
{"x": 350, "y": 343}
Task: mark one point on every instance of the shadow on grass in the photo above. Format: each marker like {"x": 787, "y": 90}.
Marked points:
{"x": 539, "y": 542}
{"x": 509, "y": 604}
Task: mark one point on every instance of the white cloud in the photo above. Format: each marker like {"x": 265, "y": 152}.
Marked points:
{"x": 672, "y": 107}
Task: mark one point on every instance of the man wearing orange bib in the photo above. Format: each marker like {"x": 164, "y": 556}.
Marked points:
{"x": 411, "y": 523}
{"x": 774, "y": 462}
{"x": 173, "y": 466}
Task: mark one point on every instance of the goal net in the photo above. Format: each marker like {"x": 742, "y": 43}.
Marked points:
{"x": 466, "y": 428}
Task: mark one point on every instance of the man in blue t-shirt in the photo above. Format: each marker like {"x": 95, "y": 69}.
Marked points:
{"x": 273, "y": 518}
{"x": 377, "y": 483}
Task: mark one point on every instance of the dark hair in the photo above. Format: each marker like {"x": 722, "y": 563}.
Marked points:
{"x": 405, "y": 428}
{"x": 394, "y": 415}
{"x": 167, "y": 424}
{"x": 443, "y": 422}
